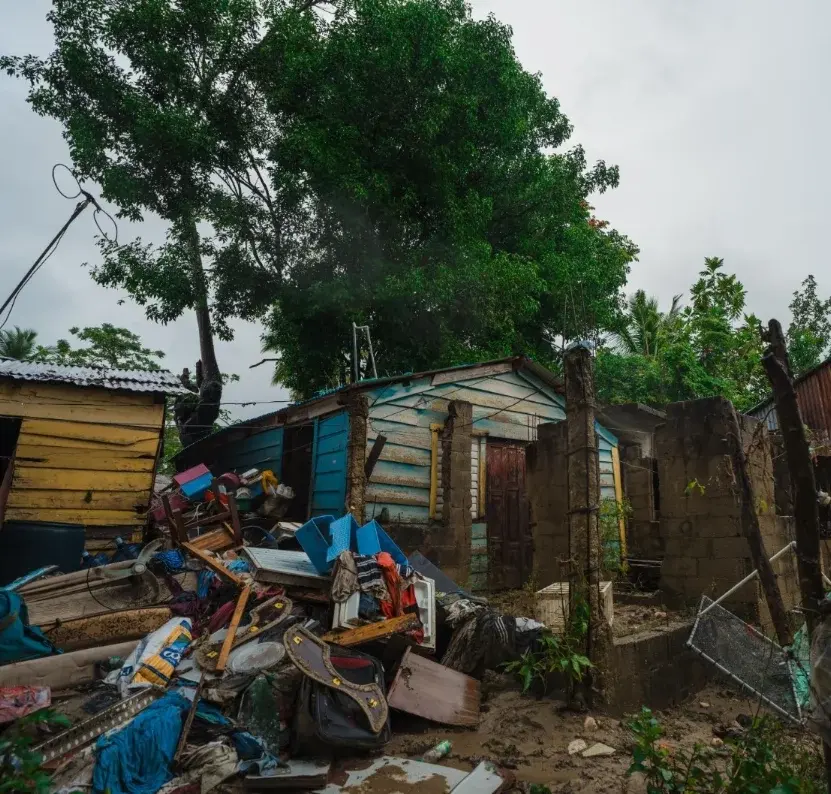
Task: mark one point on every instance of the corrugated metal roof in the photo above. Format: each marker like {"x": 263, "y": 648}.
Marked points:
{"x": 813, "y": 393}
{"x": 101, "y": 377}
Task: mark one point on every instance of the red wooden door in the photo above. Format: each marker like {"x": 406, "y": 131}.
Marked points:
{"x": 509, "y": 535}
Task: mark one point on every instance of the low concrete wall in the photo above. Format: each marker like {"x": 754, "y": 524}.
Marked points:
{"x": 657, "y": 670}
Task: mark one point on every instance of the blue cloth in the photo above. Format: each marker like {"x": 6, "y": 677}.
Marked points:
{"x": 173, "y": 560}
{"x": 238, "y": 566}
{"x": 18, "y": 640}
{"x": 254, "y": 755}
{"x": 203, "y": 584}
{"x": 211, "y": 714}
{"x": 136, "y": 760}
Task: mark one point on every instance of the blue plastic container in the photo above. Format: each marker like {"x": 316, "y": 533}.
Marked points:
{"x": 313, "y": 538}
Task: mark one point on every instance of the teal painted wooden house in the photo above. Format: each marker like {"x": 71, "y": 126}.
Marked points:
{"x": 450, "y": 480}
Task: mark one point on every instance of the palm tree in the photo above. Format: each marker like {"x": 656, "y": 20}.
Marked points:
{"x": 19, "y": 344}
{"x": 644, "y": 325}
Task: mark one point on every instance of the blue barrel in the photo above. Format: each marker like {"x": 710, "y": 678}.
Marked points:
{"x": 27, "y": 545}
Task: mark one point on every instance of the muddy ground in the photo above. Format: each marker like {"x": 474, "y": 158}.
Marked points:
{"x": 530, "y": 737}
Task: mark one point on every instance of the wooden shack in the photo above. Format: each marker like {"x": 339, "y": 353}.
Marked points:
{"x": 450, "y": 480}
{"x": 79, "y": 445}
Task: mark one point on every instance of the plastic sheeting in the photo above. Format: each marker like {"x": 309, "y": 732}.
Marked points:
{"x": 137, "y": 759}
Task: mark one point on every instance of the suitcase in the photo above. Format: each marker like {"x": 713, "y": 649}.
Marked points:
{"x": 326, "y": 719}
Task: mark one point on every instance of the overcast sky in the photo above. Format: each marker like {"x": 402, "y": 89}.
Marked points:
{"x": 716, "y": 112}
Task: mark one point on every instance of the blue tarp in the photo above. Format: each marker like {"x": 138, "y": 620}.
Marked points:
{"x": 137, "y": 759}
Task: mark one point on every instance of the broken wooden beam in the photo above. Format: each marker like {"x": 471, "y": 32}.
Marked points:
{"x": 232, "y": 628}
{"x": 373, "y": 631}
{"x": 217, "y": 567}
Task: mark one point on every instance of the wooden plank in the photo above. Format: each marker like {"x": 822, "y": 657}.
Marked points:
{"x": 232, "y": 627}
{"x": 395, "y": 453}
{"x": 183, "y": 736}
{"x": 88, "y": 500}
{"x": 434, "y": 692}
{"x": 483, "y": 371}
{"x": 29, "y": 477}
{"x": 398, "y": 514}
{"x": 122, "y": 436}
{"x": 374, "y": 454}
{"x": 373, "y": 631}
{"x": 397, "y": 433}
{"x": 401, "y": 474}
{"x": 397, "y": 497}
{"x": 619, "y": 500}
{"x": 107, "y": 628}
{"x": 90, "y": 518}
{"x": 138, "y": 449}
{"x": 41, "y": 391}
{"x": 113, "y": 414}
{"x": 215, "y": 565}
{"x": 42, "y": 456}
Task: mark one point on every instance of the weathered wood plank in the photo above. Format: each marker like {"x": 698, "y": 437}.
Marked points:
{"x": 398, "y": 496}
{"x": 397, "y": 433}
{"x": 96, "y": 518}
{"x": 138, "y": 449}
{"x": 398, "y": 514}
{"x": 395, "y": 453}
{"x": 116, "y": 459}
{"x": 57, "y": 479}
{"x": 98, "y": 413}
{"x": 434, "y": 692}
{"x": 474, "y": 373}
{"x": 89, "y": 431}
{"x": 33, "y": 391}
{"x": 372, "y": 631}
{"x": 81, "y": 501}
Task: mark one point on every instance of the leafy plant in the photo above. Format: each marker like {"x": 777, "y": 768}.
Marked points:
{"x": 553, "y": 653}
{"x": 693, "y": 486}
{"x": 611, "y": 513}
{"x": 764, "y": 760}
{"x": 20, "y": 766}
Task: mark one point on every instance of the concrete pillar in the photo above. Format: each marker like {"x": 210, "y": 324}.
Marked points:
{"x": 358, "y": 409}
{"x": 454, "y": 545}
{"x": 585, "y": 543}
{"x": 546, "y": 462}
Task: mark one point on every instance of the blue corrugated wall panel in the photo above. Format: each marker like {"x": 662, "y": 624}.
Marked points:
{"x": 330, "y": 458}
{"x": 264, "y": 450}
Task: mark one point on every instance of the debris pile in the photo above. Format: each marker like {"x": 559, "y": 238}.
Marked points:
{"x": 231, "y": 644}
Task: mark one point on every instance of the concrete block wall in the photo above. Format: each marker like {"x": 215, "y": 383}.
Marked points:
{"x": 705, "y": 550}
{"x": 643, "y": 533}
{"x": 548, "y": 497}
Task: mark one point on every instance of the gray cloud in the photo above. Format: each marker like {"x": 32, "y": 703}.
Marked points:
{"x": 717, "y": 114}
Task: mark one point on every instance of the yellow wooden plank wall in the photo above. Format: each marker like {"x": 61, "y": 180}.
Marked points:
{"x": 84, "y": 455}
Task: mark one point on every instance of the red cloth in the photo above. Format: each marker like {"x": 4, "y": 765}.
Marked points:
{"x": 389, "y": 571}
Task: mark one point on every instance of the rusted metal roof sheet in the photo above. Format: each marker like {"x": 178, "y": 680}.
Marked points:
{"x": 813, "y": 393}
{"x": 100, "y": 377}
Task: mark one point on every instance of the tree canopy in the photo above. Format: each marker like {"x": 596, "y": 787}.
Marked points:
{"x": 105, "y": 346}
{"x": 708, "y": 347}
{"x": 18, "y": 343}
{"x": 389, "y": 163}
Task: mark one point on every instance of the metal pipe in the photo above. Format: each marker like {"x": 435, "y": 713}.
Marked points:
{"x": 746, "y": 579}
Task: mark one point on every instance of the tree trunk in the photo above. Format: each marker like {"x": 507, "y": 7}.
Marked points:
{"x": 585, "y": 542}
{"x": 806, "y": 512}
{"x": 196, "y": 414}
{"x": 751, "y": 530}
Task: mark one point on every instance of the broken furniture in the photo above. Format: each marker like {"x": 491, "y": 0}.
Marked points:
{"x": 434, "y": 692}
{"x": 284, "y": 567}
{"x": 227, "y": 535}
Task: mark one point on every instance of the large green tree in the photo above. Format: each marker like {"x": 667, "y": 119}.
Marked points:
{"x": 442, "y": 219}
{"x": 707, "y": 348}
{"x": 157, "y": 103}
{"x": 387, "y": 163}
{"x": 104, "y": 346}
{"x": 809, "y": 333}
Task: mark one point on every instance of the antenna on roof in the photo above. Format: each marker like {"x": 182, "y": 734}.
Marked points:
{"x": 356, "y": 362}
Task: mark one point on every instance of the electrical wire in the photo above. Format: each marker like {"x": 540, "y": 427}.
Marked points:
{"x": 88, "y": 199}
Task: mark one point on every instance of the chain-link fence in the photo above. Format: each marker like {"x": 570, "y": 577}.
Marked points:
{"x": 752, "y": 660}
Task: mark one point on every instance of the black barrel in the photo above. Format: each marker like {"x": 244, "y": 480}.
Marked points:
{"x": 28, "y": 545}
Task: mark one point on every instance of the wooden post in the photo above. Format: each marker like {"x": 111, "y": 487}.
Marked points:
{"x": 585, "y": 542}
{"x": 806, "y": 512}
{"x": 751, "y": 530}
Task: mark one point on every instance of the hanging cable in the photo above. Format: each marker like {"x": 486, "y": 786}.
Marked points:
{"x": 50, "y": 249}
